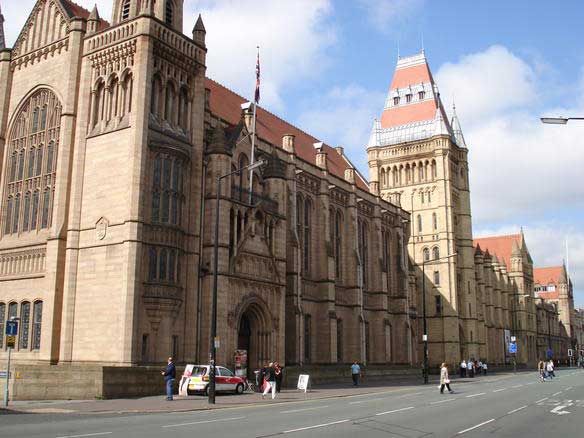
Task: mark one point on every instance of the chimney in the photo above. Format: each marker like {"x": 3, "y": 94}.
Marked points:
{"x": 247, "y": 109}
{"x": 320, "y": 155}
{"x": 350, "y": 175}
{"x": 340, "y": 150}
{"x": 288, "y": 143}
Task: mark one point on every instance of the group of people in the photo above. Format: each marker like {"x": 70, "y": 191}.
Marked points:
{"x": 473, "y": 368}
{"x": 269, "y": 379}
{"x": 546, "y": 369}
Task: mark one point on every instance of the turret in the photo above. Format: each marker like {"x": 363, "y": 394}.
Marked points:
{"x": 457, "y": 130}
{"x": 93, "y": 21}
{"x": 2, "y": 39}
{"x": 199, "y": 32}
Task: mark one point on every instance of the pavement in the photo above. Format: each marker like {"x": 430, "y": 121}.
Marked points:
{"x": 502, "y": 405}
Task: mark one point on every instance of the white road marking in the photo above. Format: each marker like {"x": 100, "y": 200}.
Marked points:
{"x": 302, "y": 410}
{"x": 395, "y": 410}
{"x": 409, "y": 395}
{"x": 474, "y": 427}
{"x": 558, "y": 410}
{"x": 559, "y": 392}
{"x": 314, "y": 427}
{"x": 543, "y": 399}
{"x": 517, "y": 410}
{"x": 530, "y": 383}
{"x": 86, "y": 434}
{"x": 517, "y": 386}
{"x": 204, "y": 421}
{"x": 499, "y": 390}
{"x": 568, "y": 388}
{"x": 443, "y": 401}
{"x": 365, "y": 401}
{"x": 475, "y": 395}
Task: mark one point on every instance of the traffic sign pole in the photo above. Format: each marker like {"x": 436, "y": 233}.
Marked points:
{"x": 7, "y": 379}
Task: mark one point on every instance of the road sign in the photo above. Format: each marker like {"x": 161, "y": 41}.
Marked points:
{"x": 10, "y": 341}
{"x": 3, "y": 374}
{"x": 11, "y": 328}
{"x": 570, "y": 352}
{"x": 549, "y": 352}
{"x": 513, "y": 338}
{"x": 512, "y": 347}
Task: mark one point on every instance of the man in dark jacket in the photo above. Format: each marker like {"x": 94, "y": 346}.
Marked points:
{"x": 169, "y": 376}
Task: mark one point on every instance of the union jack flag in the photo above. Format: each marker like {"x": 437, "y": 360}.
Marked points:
{"x": 257, "y": 89}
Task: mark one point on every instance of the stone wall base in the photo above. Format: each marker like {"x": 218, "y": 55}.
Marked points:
{"x": 84, "y": 382}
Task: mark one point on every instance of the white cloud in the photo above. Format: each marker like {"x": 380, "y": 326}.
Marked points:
{"x": 293, "y": 37}
{"x": 486, "y": 83}
{"x": 384, "y": 14}
{"x": 343, "y": 117}
{"x": 546, "y": 244}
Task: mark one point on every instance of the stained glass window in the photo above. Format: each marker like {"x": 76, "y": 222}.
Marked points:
{"x": 24, "y": 324}
{"x": 36, "y": 325}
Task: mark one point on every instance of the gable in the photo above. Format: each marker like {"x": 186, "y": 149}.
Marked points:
{"x": 47, "y": 23}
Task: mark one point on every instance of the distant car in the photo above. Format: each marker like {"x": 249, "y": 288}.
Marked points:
{"x": 225, "y": 380}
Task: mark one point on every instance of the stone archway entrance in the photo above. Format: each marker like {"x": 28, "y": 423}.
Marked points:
{"x": 253, "y": 335}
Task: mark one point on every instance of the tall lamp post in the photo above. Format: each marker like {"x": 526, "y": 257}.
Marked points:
{"x": 213, "y": 347}
{"x": 558, "y": 120}
{"x": 425, "y": 335}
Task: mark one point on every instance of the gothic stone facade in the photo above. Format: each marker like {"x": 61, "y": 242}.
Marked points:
{"x": 112, "y": 140}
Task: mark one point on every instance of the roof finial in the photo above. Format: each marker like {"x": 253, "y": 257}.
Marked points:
{"x": 2, "y": 39}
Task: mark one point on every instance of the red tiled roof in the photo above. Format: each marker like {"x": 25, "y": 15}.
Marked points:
{"x": 412, "y": 75}
{"x": 226, "y": 104}
{"x": 76, "y": 10}
{"x": 501, "y": 246}
{"x": 414, "y": 112}
{"x": 549, "y": 275}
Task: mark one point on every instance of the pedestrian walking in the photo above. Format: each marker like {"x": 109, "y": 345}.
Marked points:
{"x": 485, "y": 367}
{"x": 541, "y": 370}
{"x": 279, "y": 371}
{"x": 169, "y": 375}
{"x": 550, "y": 369}
{"x": 444, "y": 379}
{"x": 270, "y": 376}
{"x": 463, "y": 368}
{"x": 355, "y": 373}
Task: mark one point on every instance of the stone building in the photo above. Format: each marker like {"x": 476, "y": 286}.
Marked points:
{"x": 111, "y": 141}
{"x": 509, "y": 303}
{"x": 418, "y": 156}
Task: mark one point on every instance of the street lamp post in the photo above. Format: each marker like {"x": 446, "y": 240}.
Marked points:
{"x": 213, "y": 347}
{"x": 558, "y": 120}
{"x": 425, "y": 335}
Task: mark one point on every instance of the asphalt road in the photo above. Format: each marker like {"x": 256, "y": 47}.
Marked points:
{"x": 511, "y": 406}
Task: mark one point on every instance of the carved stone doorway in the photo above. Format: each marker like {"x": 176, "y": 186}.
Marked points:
{"x": 253, "y": 336}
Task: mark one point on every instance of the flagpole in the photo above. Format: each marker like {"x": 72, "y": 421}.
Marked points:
{"x": 253, "y": 129}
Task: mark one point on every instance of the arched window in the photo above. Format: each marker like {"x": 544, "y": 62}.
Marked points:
{"x": 98, "y": 103}
{"x": 24, "y": 141}
{"x": 434, "y": 221}
{"x": 435, "y": 253}
{"x": 183, "y": 109}
{"x": 363, "y": 237}
{"x": 170, "y": 99}
{"x": 426, "y": 254}
{"x": 168, "y": 16}
{"x": 113, "y": 101}
{"x": 26, "y": 213}
{"x": 171, "y": 266}
{"x": 386, "y": 245}
{"x": 24, "y": 325}
{"x": 167, "y": 190}
{"x": 163, "y": 265}
{"x": 126, "y": 9}
{"x": 382, "y": 177}
{"x": 231, "y": 233}
{"x": 127, "y": 88}
{"x": 419, "y": 221}
{"x": 436, "y": 278}
{"x": 49, "y": 163}
{"x": 307, "y": 223}
{"x": 152, "y": 264}
{"x": 155, "y": 93}
{"x": 338, "y": 244}
{"x": 434, "y": 170}
{"x": 36, "y": 325}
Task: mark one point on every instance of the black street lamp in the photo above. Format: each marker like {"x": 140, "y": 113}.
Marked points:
{"x": 213, "y": 347}
{"x": 425, "y": 335}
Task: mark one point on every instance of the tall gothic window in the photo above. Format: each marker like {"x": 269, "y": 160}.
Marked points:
{"x": 24, "y": 324}
{"x": 36, "y": 125}
{"x": 167, "y": 190}
{"x": 419, "y": 220}
{"x": 363, "y": 239}
{"x": 307, "y": 339}
{"x": 435, "y": 253}
{"x": 386, "y": 236}
{"x": 338, "y": 244}
{"x": 163, "y": 265}
{"x": 434, "y": 221}
{"x": 36, "y": 325}
{"x": 168, "y": 16}
{"x": 304, "y": 226}
{"x": 126, "y": 10}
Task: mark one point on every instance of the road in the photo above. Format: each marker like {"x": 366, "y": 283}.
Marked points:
{"x": 511, "y": 406}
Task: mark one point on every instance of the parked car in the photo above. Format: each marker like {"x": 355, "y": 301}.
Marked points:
{"x": 225, "y": 380}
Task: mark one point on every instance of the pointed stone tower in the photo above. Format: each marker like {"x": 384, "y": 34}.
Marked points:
{"x": 417, "y": 156}
{"x": 2, "y": 39}
{"x": 199, "y": 31}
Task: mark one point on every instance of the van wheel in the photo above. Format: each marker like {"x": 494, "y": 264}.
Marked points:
{"x": 239, "y": 388}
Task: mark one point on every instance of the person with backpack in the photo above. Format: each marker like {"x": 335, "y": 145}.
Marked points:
{"x": 541, "y": 370}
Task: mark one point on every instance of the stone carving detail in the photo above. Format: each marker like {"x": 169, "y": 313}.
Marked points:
{"x": 27, "y": 262}
{"x": 101, "y": 228}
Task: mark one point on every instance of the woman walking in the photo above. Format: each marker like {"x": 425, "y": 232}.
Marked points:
{"x": 444, "y": 379}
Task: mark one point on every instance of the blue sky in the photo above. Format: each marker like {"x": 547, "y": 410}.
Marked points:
{"x": 326, "y": 67}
